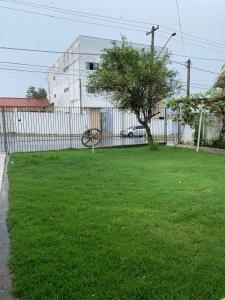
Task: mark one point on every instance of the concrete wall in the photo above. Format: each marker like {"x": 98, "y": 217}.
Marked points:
{"x": 71, "y": 121}
{"x": 46, "y": 123}
{"x": 187, "y": 136}
{"x": 211, "y": 127}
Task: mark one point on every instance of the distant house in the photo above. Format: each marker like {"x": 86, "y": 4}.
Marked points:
{"x": 25, "y": 104}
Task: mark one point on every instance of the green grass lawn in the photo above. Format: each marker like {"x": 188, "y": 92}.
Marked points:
{"x": 129, "y": 224}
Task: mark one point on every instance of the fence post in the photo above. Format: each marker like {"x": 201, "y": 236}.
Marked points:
{"x": 179, "y": 126}
{"x": 70, "y": 127}
{"x": 199, "y": 128}
{"x": 123, "y": 126}
{"x": 4, "y": 131}
{"x": 165, "y": 126}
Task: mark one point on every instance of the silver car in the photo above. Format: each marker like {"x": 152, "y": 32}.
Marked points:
{"x": 137, "y": 130}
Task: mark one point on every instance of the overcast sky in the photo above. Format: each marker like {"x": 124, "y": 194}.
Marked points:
{"x": 203, "y": 18}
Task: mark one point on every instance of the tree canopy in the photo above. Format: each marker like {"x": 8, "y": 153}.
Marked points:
{"x": 136, "y": 80}
{"x": 39, "y": 93}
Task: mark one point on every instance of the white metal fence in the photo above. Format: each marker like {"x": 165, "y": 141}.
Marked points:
{"x": 36, "y": 129}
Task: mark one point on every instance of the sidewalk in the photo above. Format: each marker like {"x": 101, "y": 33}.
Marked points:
{"x": 5, "y": 286}
{"x": 207, "y": 149}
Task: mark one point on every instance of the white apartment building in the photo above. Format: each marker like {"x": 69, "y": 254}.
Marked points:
{"x": 68, "y": 78}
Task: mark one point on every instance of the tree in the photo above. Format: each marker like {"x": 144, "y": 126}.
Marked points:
{"x": 220, "y": 81}
{"x": 213, "y": 101}
{"x": 219, "y": 100}
{"x": 136, "y": 80}
{"x": 32, "y": 92}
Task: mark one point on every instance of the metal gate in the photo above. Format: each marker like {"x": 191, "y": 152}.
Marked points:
{"x": 36, "y": 129}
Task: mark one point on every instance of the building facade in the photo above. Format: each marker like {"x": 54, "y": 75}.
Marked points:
{"x": 68, "y": 78}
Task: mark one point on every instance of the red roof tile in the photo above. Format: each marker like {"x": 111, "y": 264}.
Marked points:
{"x": 23, "y": 102}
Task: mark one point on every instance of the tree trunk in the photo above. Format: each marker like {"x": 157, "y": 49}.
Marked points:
{"x": 149, "y": 134}
{"x": 145, "y": 123}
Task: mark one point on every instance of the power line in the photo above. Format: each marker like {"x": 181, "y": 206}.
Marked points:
{"x": 203, "y": 47}
{"x": 53, "y": 51}
{"x": 47, "y": 72}
{"x": 41, "y": 66}
{"x": 179, "y": 21}
{"x": 200, "y": 58}
{"x": 106, "y": 18}
{"x": 98, "y": 24}
{"x": 96, "y": 54}
{"x": 178, "y": 62}
{"x": 203, "y": 70}
{"x": 39, "y": 71}
{"x": 196, "y": 45}
{"x": 76, "y": 13}
{"x": 197, "y": 40}
{"x": 47, "y": 51}
{"x": 93, "y": 23}
{"x": 46, "y": 66}
{"x": 198, "y": 84}
{"x": 69, "y": 19}
{"x": 196, "y": 68}
{"x": 43, "y": 72}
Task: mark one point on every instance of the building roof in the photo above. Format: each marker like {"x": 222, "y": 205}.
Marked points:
{"x": 23, "y": 102}
{"x": 83, "y": 37}
{"x": 95, "y": 51}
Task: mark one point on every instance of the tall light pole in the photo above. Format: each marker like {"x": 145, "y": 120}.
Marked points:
{"x": 173, "y": 34}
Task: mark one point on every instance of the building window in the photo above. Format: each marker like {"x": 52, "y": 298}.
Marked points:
{"x": 53, "y": 77}
{"x": 66, "y": 90}
{"x": 91, "y": 66}
{"x": 66, "y": 69}
{"x": 90, "y": 89}
{"x": 54, "y": 95}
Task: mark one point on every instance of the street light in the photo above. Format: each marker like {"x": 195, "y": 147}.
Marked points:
{"x": 173, "y": 34}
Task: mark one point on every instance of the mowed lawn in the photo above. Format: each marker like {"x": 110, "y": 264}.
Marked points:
{"x": 127, "y": 224}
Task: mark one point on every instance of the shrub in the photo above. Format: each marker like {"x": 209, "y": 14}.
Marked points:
{"x": 154, "y": 146}
{"x": 213, "y": 143}
{"x": 219, "y": 143}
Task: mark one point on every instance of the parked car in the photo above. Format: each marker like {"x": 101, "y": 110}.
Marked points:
{"x": 137, "y": 130}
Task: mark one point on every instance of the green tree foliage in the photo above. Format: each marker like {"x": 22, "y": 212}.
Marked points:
{"x": 213, "y": 101}
{"x": 39, "y": 93}
{"x": 220, "y": 81}
{"x": 136, "y": 80}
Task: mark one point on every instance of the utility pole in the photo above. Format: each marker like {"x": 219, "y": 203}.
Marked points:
{"x": 199, "y": 127}
{"x": 188, "y": 64}
{"x": 188, "y": 77}
{"x": 152, "y": 32}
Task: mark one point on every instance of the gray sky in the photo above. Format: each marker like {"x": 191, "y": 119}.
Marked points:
{"x": 204, "y": 18}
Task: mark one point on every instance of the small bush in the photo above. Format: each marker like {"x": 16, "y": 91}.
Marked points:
{"x": 213, "y": 143}
{"x": 219, "y": 143}
{"x": 154, "y": 146}
{"x": 207, "y": 143}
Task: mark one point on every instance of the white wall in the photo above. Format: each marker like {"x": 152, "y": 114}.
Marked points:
{"x": 188, "y": 133}
{"x": 71, "y": 121}
{"x": 116, "y": 120}
{"x": 46, "y": 123}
